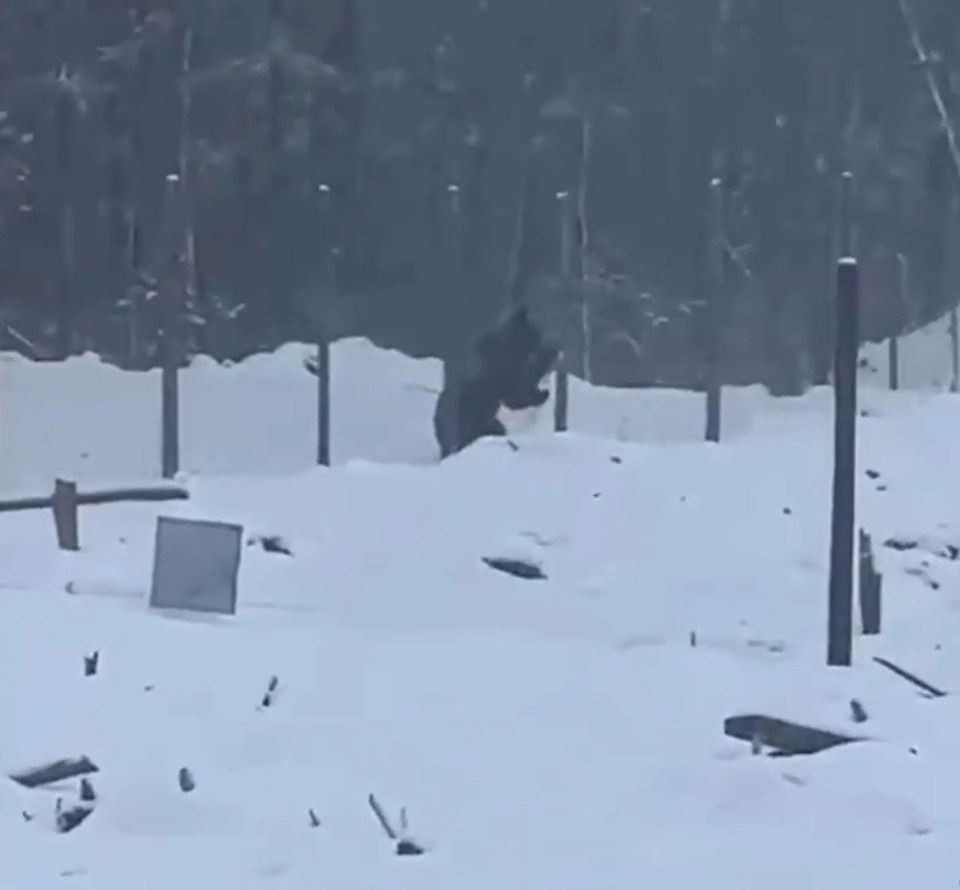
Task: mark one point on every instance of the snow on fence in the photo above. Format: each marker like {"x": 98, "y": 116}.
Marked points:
{"x": 173, "y": 279}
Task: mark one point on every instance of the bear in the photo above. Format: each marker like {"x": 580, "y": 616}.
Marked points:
{"x": 505, "y": 370}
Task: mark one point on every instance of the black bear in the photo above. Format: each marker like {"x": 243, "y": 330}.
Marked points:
{"x": 505, "y": 369}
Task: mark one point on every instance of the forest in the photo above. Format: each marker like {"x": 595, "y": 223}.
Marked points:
{"x": 406, "y": 169}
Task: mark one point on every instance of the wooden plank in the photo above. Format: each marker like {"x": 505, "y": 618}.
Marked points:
{"x": 104, "y": 496}
{"x": 56, "y": 771}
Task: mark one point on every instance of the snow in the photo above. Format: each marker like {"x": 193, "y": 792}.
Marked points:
{"x": 564, "y": 734}
{"x": 925, "y": 359}
{"x": 98, "y": 423}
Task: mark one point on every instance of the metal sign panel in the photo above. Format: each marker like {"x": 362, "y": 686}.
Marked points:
{"x": 195, "y": 565}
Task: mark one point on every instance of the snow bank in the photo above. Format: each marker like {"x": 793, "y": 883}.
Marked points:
{"x": 544, "y": 735}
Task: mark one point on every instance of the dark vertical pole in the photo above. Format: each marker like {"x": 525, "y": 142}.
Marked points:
{"x": 323, "y": 337}
{"x": 954, "y": 330}
{"x": 561, "y": 400}
{"x": 843, "y": 519}
{"x": 716, "y": 297}
{"x": 171, "y": 297}
{"x": 823, "y": 314}
{"x": 846, "y": 236}
{"x": 954, "y": 319}
{"x": 323, "y": 367}
{"x": 903, "y": 297}
{"x": 68, "y": 296}
{"x": 67, "y": 309}
{"x": 449, "y": 416}
{"x": 454, "y": 279}
{"x": 134, "y": 269}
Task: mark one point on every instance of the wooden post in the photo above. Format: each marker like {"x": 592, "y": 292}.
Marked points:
{"x": 561, "y": 400}
{"x": 323, "y": 341}
{"x": 840, "y": 612}
{"x": 65, "y": 517}
{"x": 164, "y": 492}
{"x": 716, "y": 297}
{"x": 171, "y": 306}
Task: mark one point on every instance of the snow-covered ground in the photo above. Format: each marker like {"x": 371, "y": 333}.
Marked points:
{"x": 563, "y": 734}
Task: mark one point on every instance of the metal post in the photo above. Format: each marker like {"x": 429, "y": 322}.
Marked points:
{"x": 449, "y": 416}
{"x": 561, "y": 400}
{"x": 903, "y": 298}
{"x": 171, "y": 297}
{"x": 323, "y": 341}
{"x": 843, "y": 519}
{"x": 715, "y": 299}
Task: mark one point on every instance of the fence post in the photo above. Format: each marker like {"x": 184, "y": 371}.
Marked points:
{"x": 324, "y": 431}
{"x": 954, "y": 351}
{"x": 323, "y": 339}
{"x": 67, "y": 312}
{"x": 843, "y": 517}
{"x": 561, "y": 400}
{"x": 171, "y": 306}
{"x": 847, "y": 236}
{"x": 716, "y": 297}
{"x": 452, "y": 277}
{"x": 903, "y": 296}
